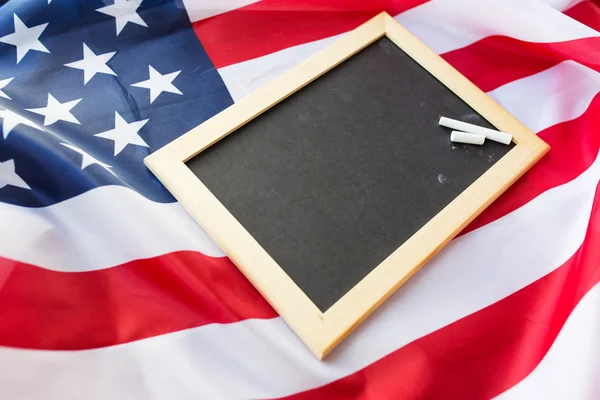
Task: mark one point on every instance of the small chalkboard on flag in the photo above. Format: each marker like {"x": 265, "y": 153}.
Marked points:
{"x": 333, "y": 184}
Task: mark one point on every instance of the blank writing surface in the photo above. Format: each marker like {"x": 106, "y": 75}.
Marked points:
{"x": 337, "y": 176}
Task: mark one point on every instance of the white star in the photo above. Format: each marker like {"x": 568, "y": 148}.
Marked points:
{"x": 86, "y": 159}
{"x": 8, "y": 175}
{"x": 10, "y": 120}
{"x": 124, "y": 11}
{"x": 93, "y": 64}
{"x": 55, "y": 111}
{"x": 159, "y": 83}
{"x": 3, "y": 83}
{"x": 124, "y": 133}
{"x": 25, "y": 38}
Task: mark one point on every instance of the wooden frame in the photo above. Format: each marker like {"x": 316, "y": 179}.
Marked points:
{"x": 322, "y": 331}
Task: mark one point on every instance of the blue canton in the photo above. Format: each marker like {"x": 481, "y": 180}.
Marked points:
{"x": 88, "y": 88}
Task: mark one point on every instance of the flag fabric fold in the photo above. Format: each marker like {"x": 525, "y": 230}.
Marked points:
{"x": 109, "y": 289}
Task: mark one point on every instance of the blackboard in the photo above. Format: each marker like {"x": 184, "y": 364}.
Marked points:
{"x": 331, "y": 185}
{"x": 333, "y": 179}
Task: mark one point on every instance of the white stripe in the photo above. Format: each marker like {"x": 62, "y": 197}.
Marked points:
{"x": 263, "y": 358}
{"x": 558, "y": 94}
{"x": 571, "y": 368}
{"x": 561, "y": 5}
{"x": 99, "y": 229}
{"x": 202, "y": 9}
{"x": 446, "y": 25}
{"x": 443, "y": 25}
{"x": 243, "y": 78}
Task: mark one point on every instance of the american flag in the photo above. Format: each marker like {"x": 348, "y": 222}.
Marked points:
{"x": 109, "y": 290}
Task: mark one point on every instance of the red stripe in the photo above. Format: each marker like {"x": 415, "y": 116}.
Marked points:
{"x": 587, "y": 12}
{"x": 575, "y": 145}
{"x": 485, "y": 353}
{"x": 272, "y": 25}
{"x": 45, "y": 309}
{"x": 497, "y": 60}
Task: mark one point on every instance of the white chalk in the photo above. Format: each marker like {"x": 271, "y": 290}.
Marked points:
{"x": 490, "y": 134}
{"x": 469, "y": 138}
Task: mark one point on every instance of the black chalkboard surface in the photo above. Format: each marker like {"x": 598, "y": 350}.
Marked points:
{"x": 334, "y": 178}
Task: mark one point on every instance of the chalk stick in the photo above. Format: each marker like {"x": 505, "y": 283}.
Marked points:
{"x": 469, "y": 138}
{"x": 490, "y": 134}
